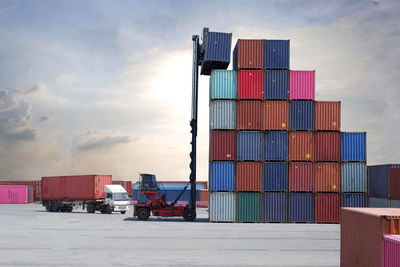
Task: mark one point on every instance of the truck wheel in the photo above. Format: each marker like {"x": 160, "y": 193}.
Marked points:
{"x": 54, "y": 207}
{"x": 108, "y": 209}
{"x": 123, "y": 211}
{"x": 143, "y": 214}
{"x": 48, "y": 206}
{"x": 189, "y": 214}
{"x": 90, "y": 208}
{"x": 70, "y": 209}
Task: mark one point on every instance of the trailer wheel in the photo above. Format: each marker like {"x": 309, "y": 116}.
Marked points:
{"x": 90, "y": 208}
{"x": 189, "y": 215}
{"x": 108, "y": 209}
{"x": 143, "y": 214}
{"x": 48, "y": 206}
{"x": 70, "y": 209}
{"x": 54, "y": 207}
{"x": 123, "y": 211}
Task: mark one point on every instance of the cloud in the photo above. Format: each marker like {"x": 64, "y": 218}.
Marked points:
{"x": 104, "y": 142}
{"x": 44, "y": 118}
{"x": 39, "y": 87}
{"x": 65, "y": 78}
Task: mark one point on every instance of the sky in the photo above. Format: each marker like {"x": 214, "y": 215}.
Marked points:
{"x": 104, "y": 87}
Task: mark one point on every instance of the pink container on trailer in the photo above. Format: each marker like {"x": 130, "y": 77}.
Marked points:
{"x": 14, "y": 194}
{"x": 391, "y": 251}
{"x": 302, "y": 84}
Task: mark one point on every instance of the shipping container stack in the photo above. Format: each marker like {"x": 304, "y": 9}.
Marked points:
{"x": 384, "y": 186}
{"x": 276, "y": 154}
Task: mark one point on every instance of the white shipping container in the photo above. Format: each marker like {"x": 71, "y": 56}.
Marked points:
{"x": 222, "y": 207}
{"x": 223, "y": 115}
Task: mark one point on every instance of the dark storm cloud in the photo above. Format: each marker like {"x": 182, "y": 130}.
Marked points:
{"x": 107, "y": 141}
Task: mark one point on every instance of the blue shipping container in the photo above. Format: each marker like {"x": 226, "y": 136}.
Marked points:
{"x": 302, "y": 115}
{"x": 353, "y": 200}
{"x": 223, "y": 115}
{"x": 217, "y": 54}
{"x": 275, "y": 146}
{"x": 379, "y": 180}
{"x": 177, "y": 186}
{"x": 275, "y": 176}
{"x": 374, "y": 202}
{"x": 354, "y": 177}
{"x": 223, "y": 84}
{"x": 277, "y": 54}
{"x": 170, "y": 195}
{"x": 275, "y": 207}
{"x": 354, "y": 146}
{"x": 395, "y": 203}
{"x": 222, "y": 177}
{"x": 249, "y": 145}
{"x": 276, "y": 84}
{"x": 301, "y": 207}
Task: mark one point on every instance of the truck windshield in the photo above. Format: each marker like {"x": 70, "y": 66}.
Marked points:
{"x": 120, "y": 196}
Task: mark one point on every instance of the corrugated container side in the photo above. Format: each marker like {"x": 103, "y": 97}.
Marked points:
{"x": 327, "y": 115}
{"x": 248, "y": 54}
{"x": 275, "y": 146}
{"x": 327, "y": 146}
{"x": 302, "y": 84}
{"x": 276, "y": 84}
{"x": 354, "y": 200}
{"x": 14, "y": 194}
{"x": 327, "y": 207}
{"x": 100, "y": 181}
{"x": 203, "y": 195}
{"x": 223, "y": 115}
{"x": 249, "y": 145}
{"x": 249, "y": 176}
{"x": 301, "y": 176}
{"x": 302, "y": 115}
{"x": 354, "y": 147}
{"x": 275, "y": 207}
{"x": 222, "y": 176}
{"x": 248, "y": 115}
{"x": 277, "y": 54}
{"x": 218, "y": 52}
{"x": 375, "y": 202}
{"x": 248, "y": 207}
{"x": 391, "y": 251}
{"x": 275, "y": 115}
{"x": 223, "y": 145}
{"x": 301, "y": 207}
{"x": 354, "y": 177}
{"x": 395, "y": 203}
{"x": 172, "y": 194}
{"x": 222, "y": 207}
{"x": 223, "y": 84}
{"x": 395, "y": 182}
{"x": 275, "y": 176}
{"x": 35, "y": 184}
{"x": 301, "y": 146}
{"x": 250, "y": 84}
{"x": 378, "y": 180}
{"x": 327, "y": 177}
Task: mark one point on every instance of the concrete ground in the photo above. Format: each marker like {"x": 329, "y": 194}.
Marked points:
{"x": 31, "y": 236}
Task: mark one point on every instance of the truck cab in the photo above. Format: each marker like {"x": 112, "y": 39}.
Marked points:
{"x": 117, "y": 198}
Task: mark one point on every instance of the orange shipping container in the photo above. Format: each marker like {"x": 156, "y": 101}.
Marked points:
{"x": 275, "y": 115}
{"x": 249, "y": 176}
{"x": 327, "y": 116}
{"x": 203, "y": 195}
{"x": 301, "y": 146}
{"x": 248, "y": 54}
{"x": 248, "y": 115}
{"x": 327, "y": 177}
{"x": 301, "y": 176}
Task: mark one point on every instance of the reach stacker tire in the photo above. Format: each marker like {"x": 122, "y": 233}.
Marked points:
{"x": 189, "y": 215}
{"x": 123, "y": 212}
{"x": 143, "y": 214}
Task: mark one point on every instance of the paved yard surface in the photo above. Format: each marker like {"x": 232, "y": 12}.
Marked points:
{"x": 33, "y": 237}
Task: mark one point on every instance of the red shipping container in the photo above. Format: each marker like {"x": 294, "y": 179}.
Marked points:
{"x": 327, "y": 116}
{"x": 203, "y": 195}
{"x": 249, "y": 176}
{"x": 327, "y": 177}
{"x": 250, "y": 84}
{"x": 301, "y": 176}
{"x": 248, "y": 115}
{"x": 361, "y": 234}
{"x": 275, "y": 115}
{"x": 77, "y": 187}
{"x": 391, "y": 251}
{"x": 248, "y": 54}
{"x": 301, "y": 146}
{"x": 327, "y": 206}
{"x": 223, "y": 145}
{"x": 327, "y": 146}
{"x": 395, "y": 183}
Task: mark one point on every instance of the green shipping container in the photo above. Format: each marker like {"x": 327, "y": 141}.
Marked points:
{"x": 223, "y": 84}
{"x": 248, "y": 207}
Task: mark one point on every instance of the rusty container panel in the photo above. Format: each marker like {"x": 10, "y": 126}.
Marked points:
{"x": 249, "y": 176}
{"x": 327, "y": 146}
{"x": 248, "y": 54}
{"x": 248, "y": 115}
{"x": 301, "y": 146}
{"x": 361, "y": 234}
{"x": 223, "y": 145}
{"x": 327, "y": 206}
{"x": 203, "y": 195}
{"x": 250, "y": 84}
{"x": 275, "y": 115}
{"x": 395, "y": 183}
{"x": 327, "y": 115}
{"x": 301, "y": 176}
{"x": 327, "y": 177}
{"x": 302, "y": 84}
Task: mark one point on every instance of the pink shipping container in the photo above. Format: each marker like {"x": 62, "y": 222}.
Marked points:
{"x": 14, "y": 194}
{"x": 36, "y": 186}
{"x": 248, "y": 115}
{"x": 249, "y": 176}
{"x": 391, "y": 251}
{"x": 327, "y": 206}
{"x": 327, "y": 146}
{"x": 248, "y": 54}
{"x": 275, "y": 115}
{"x": 327, "y": 116}
{"x": 250, "y": 84}
{"x": 327, "y": 177}
{"x": 301, "y": 176}
{"x": 302, "y": 84}
{"x": 301, "y": 146}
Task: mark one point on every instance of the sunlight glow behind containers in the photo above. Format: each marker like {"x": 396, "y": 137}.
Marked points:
{"x": 223, "y": 84}
{"x": 302, "y": 84}
{"x": 223, "y": 114}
